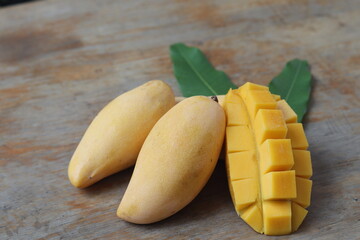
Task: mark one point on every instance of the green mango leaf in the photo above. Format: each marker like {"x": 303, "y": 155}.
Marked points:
{"x": 294, "y": 85}
{"x": 195, "y": 74}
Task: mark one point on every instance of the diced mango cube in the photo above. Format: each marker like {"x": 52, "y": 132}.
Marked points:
{"x": 259, "y": 99}
{"x": 298, "y": 215}
{"x": 245, "y": 192}
{"x": 277, "y": 217}
{"x": 266, "y": 160}
{"x": 297, "y": 135}
{"x": 302, "y": 163}
{"x": 239, "y": 138}
{"x": 241, "y": 165}
{"x": 244, "y": 89}
{"x": 276, "y": 155}
{"x": 279, "y": 185}
{"x": 232, "y": 97}
{"x": 236, "y": 114}
{"x": 269, "y": 124}
{"x": 276, "y": 97}
{"x": 253, "y": 217}
{"x": 253, "y": 86}
{"x": 289, "y": 114}
{"x": 303, "y": 189}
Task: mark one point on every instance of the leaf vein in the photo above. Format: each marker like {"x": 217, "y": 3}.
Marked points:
{"x": 294, "y": 81}
{"x": 197, "y": 73}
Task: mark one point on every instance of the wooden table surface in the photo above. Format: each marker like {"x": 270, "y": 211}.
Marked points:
{"x": 62, "y": 61}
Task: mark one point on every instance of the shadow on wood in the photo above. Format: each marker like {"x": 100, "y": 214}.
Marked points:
{"x": 118, "y": 180}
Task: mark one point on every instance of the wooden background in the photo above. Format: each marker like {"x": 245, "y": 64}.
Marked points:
{"x": 62, "y": 61}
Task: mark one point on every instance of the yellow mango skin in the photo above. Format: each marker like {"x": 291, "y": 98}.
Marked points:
{"x": 175, "y": 162}
{"x": 113, "y": 140}
{"x": 221, "y": 99}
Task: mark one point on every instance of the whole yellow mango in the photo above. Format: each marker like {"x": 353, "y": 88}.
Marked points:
{"x": 175, "y": 162}
{"x": 114, "y": 138}
{"x": 221, "y": 99}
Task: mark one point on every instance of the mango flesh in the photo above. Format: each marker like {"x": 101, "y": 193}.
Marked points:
{"x": 267, "y": 163}
{"x": 113, "y": 140}
{"x": 175, "y": 162}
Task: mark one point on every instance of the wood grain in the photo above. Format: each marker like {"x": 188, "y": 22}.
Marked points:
{"x": 62, "y": 61}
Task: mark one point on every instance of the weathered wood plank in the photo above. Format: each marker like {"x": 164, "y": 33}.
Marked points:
{"x": 62, "y": 61}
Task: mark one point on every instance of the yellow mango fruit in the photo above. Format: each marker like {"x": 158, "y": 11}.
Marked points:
{"x": 267, "y": 163}
{"x": 114, "y": 138}
{"x": 175, "y": 162}
{"x": 221, "y": 99}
